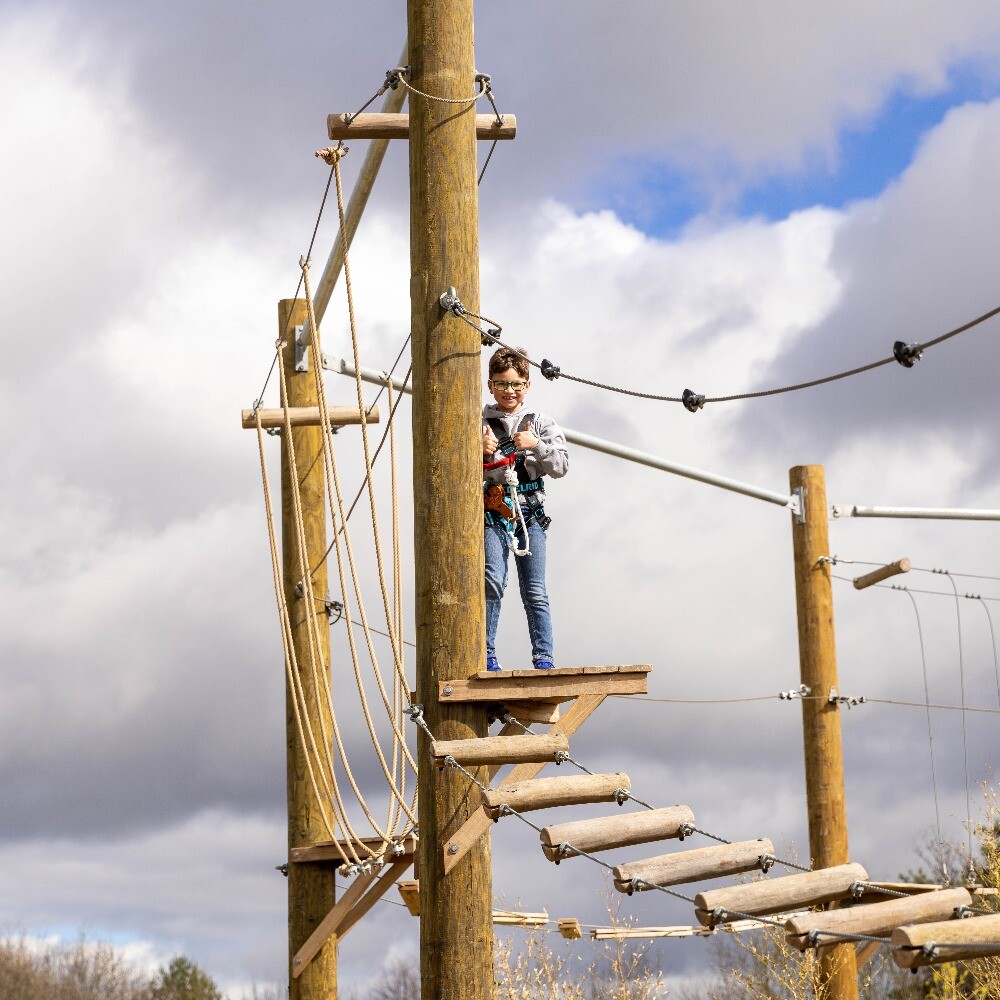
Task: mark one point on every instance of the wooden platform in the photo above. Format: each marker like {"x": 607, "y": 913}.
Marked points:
{"x": 546, "y": 686}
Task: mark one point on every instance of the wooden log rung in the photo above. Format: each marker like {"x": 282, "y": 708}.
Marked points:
{"x": 808, "y": 930}
{"x": 500, "y": 750}
{"x": 307, "y": 416}
{"x": 567, "y": 840}
{"x": 545, "y": 793}
{"x": 693, "y": 866}
{"x": 387, "y": 125}
{"x": 916, "y": 945}
{"x": 882, "y": 573}
{"x": 777, "y": 895}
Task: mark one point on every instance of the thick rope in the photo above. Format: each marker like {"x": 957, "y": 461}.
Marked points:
{"x": 336, "y": 498}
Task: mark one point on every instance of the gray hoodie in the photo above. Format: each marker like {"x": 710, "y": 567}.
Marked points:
{"x": 550, "y": 457}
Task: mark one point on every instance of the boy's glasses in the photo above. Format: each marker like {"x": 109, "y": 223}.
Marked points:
{"x": 513, "y": 386}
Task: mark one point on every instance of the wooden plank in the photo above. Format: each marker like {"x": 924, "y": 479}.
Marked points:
{"x": 693, "y": 866}
{"x": 541, "y": 686}
{"x": 329, "y": 924}
{"x": 949, "y": 935}
{"x": 308, "y": 416}
{"x": 372, "y": 896}
{"x": 333, "y": 850}
{"x": 547, "y": 793}
{"x": 774, "y": 895}
{"x": 607, "y": 832}
{"x": 397, "y": 126}
{"x": 876, "y": 919}
{"x": 634, "y": 668}
{"x": 410, "y": 892}
{"x": 478, "y": 823}
{"x": 500, "y": 749}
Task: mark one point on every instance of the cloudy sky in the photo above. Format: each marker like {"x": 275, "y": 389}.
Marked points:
{"x": 721, "y": 196}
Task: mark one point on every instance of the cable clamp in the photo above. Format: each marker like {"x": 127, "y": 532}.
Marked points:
{"x": 503, "y": 810}
{"x": 564, "y": 851}
{"x": 856, "y": 889}
{"x": 491, "y": 336}
{"x": 963, "y": 912}
{"x": 802, "y": 691}
{"x": 692, "y": 401}
{"x": 842, "y": 699}
{"x": 621, "y": 796}
{"x": 930, "y": 950}
{"x": 633, "y": 885}
{"x": 561, "y": 757}
{"x": 333, "y": 608}
{"x": 717, "y": 916}
{"x": 283, "y": 869}
{"x": 907, "y": 354}
{"x": 685, "y": 830}
{"x": 415, "y": 712}
{"x": 449, "y": 761}
{"x": 273, "y": 431}
{"x": 349, "y": 871}
{"x": 396, "y": 850}
{"x": 827, "y": 560}
{"x": 812, "y": 939}
{"x": 450, "y": 302}
{"x": 766, "y": 862}
{"x": 550, "y": 371}
{"x": 392, "y": 77}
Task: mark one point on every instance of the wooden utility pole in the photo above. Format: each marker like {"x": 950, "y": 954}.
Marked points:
{"x": 838, "y": 977}
{"x": 456, "y": 931}
{"x": 311, "y": 890}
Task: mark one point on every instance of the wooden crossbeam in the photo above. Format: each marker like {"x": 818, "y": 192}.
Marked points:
{"x": 397, "y": 126}
{"x": 308, "y": 416}
{"x": 561, "y": 684}
{"x": 334, "y": 850}
{"x": 478, "y": 823}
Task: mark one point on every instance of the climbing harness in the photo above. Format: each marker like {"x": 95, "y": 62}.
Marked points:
{"x": 512, "y": 504}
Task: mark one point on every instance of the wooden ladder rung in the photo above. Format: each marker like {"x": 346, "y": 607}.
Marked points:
{"x": 607, "y": 832}
{"x": 500, "y": 749}
{"x": 776, "y": 895}
{"x": 542, "y": 793}
{"x": 692, "y": 866}
{"x": 908, "y": 941}
{"x": 875, "y": 919}
{"x": 390, "y": 125}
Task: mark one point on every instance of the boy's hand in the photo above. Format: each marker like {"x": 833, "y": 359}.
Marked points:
{"x": 490, "y": 442}
{"x": 524, "y": 440}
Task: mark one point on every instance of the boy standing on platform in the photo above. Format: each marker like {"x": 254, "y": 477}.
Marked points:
{"x": 519, "y": 448}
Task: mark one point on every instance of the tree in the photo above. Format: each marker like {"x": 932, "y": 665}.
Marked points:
{"x": 183, "y": 980}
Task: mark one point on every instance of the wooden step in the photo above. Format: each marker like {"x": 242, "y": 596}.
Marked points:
{"x": 624, "y": 830}
{"x": 542, "y": 793}
{"x": 777, "y": 895}
{"x": 500, "y": 749}
{"x": 509, "y": 687}
{"x": 874, "y": 919}
{"x": 692, "y": 866}
{"x": 947, "y": 937}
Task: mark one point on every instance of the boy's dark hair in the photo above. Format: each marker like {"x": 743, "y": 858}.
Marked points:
{"x": 505, "y": 357}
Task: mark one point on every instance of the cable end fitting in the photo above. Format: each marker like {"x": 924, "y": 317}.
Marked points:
{"x": 550, "y": 371}
{"x": 907, "y": 354}
{"x": 450, "y": 302}
{"x": 491, "y": 336}
{"x": 692, "y": 401}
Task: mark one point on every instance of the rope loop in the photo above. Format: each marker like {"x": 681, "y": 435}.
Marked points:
{"x": 332, "y": 155}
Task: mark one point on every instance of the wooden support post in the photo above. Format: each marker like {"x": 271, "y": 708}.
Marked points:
{"x": 838, "y": 976}
{"x": 456, "y": 929}
{"x": 311, "y": 889}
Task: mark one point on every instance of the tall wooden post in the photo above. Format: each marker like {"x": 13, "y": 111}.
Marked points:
{"x": 311, "y": 891}
{"x": 456, "y": 931}
{"x": 820, "y": 719}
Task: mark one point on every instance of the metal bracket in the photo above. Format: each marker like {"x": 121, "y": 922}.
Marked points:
{"x": 302, "y": 340}
{"x": 797, "y": 504}
{"x": 843, "y": 510}
{"x": 802, "y": 691}
{"x": 843, "y": 699}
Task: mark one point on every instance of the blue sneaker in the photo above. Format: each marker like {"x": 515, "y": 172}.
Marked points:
{"x": 492, "y": 663}
{"x": 544, "y": 664}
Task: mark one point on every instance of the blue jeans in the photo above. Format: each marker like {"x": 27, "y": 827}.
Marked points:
{"x": 530, "y": 578}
